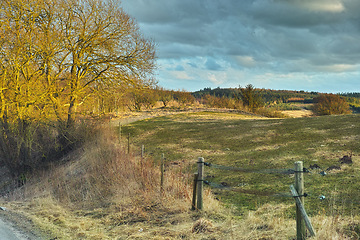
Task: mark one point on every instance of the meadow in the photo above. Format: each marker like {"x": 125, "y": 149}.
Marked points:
{"x": 101, "y": 191}
{"x": 256, "y": 143}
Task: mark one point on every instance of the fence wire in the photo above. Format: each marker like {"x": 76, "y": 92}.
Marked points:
{"x": 245, "y": 170}
{"x": 285, "y": 171}
{"x": 309, "y": 195}
{"x": 312, "y": 196}
{"x": 271, "y": 194}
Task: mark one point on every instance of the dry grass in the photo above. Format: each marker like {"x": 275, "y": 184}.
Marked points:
{"x": 104, "y": 193}
{"x": 298, "y": 113}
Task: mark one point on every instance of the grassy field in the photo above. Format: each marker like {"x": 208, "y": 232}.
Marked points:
{"x": 102, "y": 192}
{"x": 242, "y": 141}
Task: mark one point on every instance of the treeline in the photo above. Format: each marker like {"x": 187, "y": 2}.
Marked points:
{"x": 267, "y": 95}
{"x": 60, "y": 60}
{"x": 323, "y": 104}
{"x": 274, "y": 96}
{"x": 248, "y": 99}
{"x": 354, "y": 100}
{"x": 351, "y": 95}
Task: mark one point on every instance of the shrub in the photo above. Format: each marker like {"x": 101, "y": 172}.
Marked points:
{"x": 328, "y": 104}
{"x": 26, "y": 145}
{"x": 184, "y": 97}
{"x": 270, "y": 113}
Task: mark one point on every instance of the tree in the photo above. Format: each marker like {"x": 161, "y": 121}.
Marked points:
{"x": 251, "y": 97}
{"x": 104, "y": 49}
{"x": 165, "y": 96}
{"x": 55, "y": 55}
{"x": 328, "y": 104}
{"x": 59, "y": 53}
{"x": 183, "y": 97}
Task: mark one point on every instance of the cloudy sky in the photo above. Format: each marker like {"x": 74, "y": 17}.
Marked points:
{"x": 311, "y": 45}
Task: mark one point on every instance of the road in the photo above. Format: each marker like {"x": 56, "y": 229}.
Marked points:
{"x": 7, "y": 232}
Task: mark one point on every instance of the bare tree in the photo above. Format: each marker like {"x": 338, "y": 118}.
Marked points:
{"x": 57, "y": 54}
{"x": 66, "y": 51}
{"x": 104, "y": 49}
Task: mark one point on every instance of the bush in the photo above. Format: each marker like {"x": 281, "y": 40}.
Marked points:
{"x": 328, "y": 104}
{"x": 285, "y": 107}
{"x": 270, "y": 113}
{"x": 184, "y": 97}
{"x": 26, "y": 145}
{"x": 221, "y": 102}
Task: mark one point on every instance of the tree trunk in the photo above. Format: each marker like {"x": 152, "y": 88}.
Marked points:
{"x": 71, "y": 112}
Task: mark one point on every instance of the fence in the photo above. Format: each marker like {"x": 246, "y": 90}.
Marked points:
{"x": 297, "y": 191}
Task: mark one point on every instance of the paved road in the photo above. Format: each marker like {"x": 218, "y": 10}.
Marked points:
{"x": 9, "y": 233}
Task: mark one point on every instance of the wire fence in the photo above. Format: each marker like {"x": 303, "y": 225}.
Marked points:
{"x": 225, "y": 186}
{"x": 312, "y": 170}
{"x": 297, "y": 190}
{"x": 245, "y": 170}
{"x": 298, "y": 196}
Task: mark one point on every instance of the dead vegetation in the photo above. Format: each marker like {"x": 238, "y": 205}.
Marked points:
{"x": 101, "y": 192}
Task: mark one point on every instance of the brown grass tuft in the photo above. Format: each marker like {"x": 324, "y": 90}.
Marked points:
{"x": 101, "y": 189}
{"x": 202, "y": 226}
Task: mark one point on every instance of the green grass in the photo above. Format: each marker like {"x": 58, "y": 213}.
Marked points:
{"x": 235, "y": 140}
{"x": 285, "y": 106}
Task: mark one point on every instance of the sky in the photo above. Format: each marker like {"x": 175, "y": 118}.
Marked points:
{"x": 310, "y": 45}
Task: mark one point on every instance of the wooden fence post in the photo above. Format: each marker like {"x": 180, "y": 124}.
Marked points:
{"x": 299, "y": 187}
{"x": 303, "y": 212}
{"x": 193, "y": 206}
{"x": 200, "y": 183}
{"x": 162, "y": 174}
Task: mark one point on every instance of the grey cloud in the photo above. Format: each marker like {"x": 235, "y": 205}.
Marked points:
{"x": 192, "y": 64}
{"x": 291, "y": 14}
{"x": 211, "y": 64}
{"x": 280, "y": 28}
{"x": 179, "y": 68}
{"x": 262, "y": 35}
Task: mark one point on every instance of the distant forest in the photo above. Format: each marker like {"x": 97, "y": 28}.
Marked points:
{"x": 354, "y": 95}
{"x": 273, "y": 96}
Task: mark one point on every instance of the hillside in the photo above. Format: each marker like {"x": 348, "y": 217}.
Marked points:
{"x": 101, "y": 192}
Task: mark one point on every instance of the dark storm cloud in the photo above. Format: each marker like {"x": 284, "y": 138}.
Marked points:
{"x": 261, "y": 36}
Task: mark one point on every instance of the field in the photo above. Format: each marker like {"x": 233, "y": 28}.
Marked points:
{"x": 102, "y": 192}
{"x": 256, "y": 144}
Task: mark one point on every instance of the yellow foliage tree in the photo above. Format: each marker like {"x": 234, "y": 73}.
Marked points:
{"x": 57, "y": 54}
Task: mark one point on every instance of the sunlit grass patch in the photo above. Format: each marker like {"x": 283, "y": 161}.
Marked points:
{"x": 258, "y": 144}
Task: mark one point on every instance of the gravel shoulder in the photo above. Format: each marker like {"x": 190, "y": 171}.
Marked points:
{"x": 14, "y": 226}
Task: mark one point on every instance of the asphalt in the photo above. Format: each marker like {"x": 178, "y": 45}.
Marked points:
{"x": 7, "y": 232}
